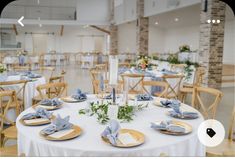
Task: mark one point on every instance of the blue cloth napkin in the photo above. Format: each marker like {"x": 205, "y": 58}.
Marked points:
{"x": 168, "y": 126}
{"x": 57, "y": 125}
{"x": 170, "y": 103}
{"x": 51, "y": 102}
{"x": 79, "y": 95}
{"x": 144, "y": 97}
{"x": 167, "y": 72}
{"x": 40, "y": 113}
{"x": 111, "y": 132}
{"x": 122, "y": 70}
{"x": 31, "y": 75}
{"x": 180, "y": 114}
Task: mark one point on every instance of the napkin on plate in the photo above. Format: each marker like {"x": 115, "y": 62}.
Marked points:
{"x": 51, "y": 102}
{"x": 170, "y": 103}
{"x": 168, "y": 126}
{"x": 144, "y": 97}
{"x": 57, "y": 125}
{"x": 79, "y": 95}
{"x": 111, "y": 132}
{"x": 177, "y": 112}
{"x": 167, "y": 72}
{"x": 40, "y": 113}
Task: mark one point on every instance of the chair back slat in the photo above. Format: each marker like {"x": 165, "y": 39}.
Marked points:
{"x": 197, "y": 101}
{"x": 160, "y": 84}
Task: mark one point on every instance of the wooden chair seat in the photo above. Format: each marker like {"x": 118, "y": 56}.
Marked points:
{"x": 8, "y": 151}
{"x": 10, "y": 133}
{"x": 226, "y": 146}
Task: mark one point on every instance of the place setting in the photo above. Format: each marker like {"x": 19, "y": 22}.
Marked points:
{"x": 123, "y": 138}
{"x": 78, "y": 97}
{"x": 40, "y": 117}
{"x": 49, "y": 104}
{"x": 165, "y": 103}
{"x": 172, "y": 127}
{"x": 61, "y": 129}
{"x": 181, "y": 112}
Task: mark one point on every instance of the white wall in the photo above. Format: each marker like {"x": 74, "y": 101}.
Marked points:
{"x": 74, "y": 39}
{"x": 127, "y": 37}
{"x": 175, "y": 37}
{"x": 156, "y": 39}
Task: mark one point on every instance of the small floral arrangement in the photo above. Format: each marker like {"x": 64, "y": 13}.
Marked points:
{"x": 143, "y": 61}
{"x": 184, "y": 48}
{"x": 2, "y": 68}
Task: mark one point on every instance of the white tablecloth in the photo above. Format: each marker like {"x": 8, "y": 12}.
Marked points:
{"x": 91, "y": 144}
{"x": 30, "y": 92}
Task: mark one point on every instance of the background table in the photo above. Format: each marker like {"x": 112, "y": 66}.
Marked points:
{"x": 91, "y": 144}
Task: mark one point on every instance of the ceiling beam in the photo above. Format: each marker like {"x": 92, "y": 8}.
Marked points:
{"x": 100, "y": 29}
{"x": 15, "y": 29}
{"x": 62, "y": 30}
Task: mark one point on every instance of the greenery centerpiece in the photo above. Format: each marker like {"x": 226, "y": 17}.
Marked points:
{"x": 184, "y": 48}
{"x": 100, "y": 110}
{"x": 2, "y": 68}
{"x": 143, "y": 61}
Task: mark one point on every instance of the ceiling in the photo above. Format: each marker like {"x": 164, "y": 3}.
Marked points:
{"x": 187, "y": 16}
{"x": 45, "y": 9}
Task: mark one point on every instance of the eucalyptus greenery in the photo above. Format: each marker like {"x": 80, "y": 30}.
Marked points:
{"x": 125, "y": 113}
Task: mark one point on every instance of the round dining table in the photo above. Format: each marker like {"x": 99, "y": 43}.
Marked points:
{"x": 90, "y": 143}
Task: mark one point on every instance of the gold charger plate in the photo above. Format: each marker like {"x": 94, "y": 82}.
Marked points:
{"x": 37, "y": 123}
{"x": 77, "y": 131}
{"x": 188, "y": 129}
{"x": 69, "y": 99}
{"x": 139, "y": 137}
{"x": 49, "y": 108}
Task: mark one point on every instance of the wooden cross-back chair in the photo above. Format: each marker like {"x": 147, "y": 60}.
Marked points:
{"x": 61, "y": 90}
{"x": 47, "y": 70}
{"x": 198, "y": 103}
{"x": 59, "y": 78}
{"x": 19, "y": 87}
{"x": 227, "y": 147}
{"x": 11, "y": 131}
{"x": 164, "y": 86}
{"x": 188, "y": 89}
{"x": 134, "y": 81}
{"x": 173, "y": 90}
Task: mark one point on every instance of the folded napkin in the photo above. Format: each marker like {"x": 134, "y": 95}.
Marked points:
{"x": 144, "y": 97}
{"x": 51, "y": 102}
{"x": 40, "y": 113}
{"x": 170, "y": 103}
{"x": 111, "y": 132}
{"x": 57, "y": 125}
{"x": 122, "y": 70}
{"x": 168, "y": 126}
{"x": 177, "y": 112}
{"x": 167, "y": 72}
{"x": 79, "y": 95}
{"x": 31, "y": 75}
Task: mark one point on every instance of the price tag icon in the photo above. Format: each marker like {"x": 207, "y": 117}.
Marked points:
{"x": 210, "y": 132}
